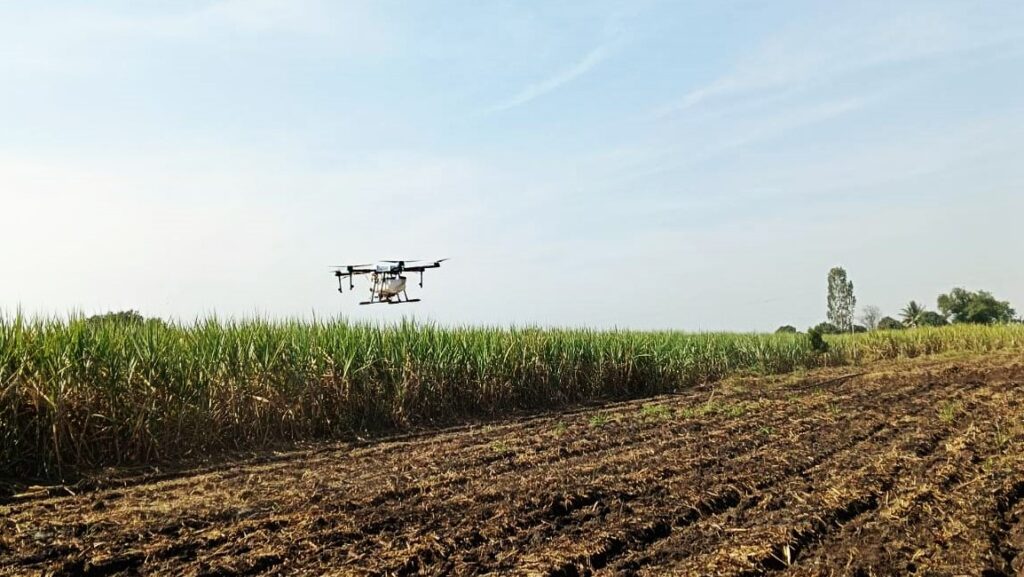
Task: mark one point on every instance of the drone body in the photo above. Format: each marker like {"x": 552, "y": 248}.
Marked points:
{"x": 387, "y": 279}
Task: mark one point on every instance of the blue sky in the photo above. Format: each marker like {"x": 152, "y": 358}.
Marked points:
{"x": 689, "y": 165}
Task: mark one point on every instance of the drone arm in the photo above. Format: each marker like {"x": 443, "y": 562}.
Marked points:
{"x": 420, "y": 267}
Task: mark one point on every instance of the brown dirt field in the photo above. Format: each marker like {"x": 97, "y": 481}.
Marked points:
{"x": 908, "y": 467}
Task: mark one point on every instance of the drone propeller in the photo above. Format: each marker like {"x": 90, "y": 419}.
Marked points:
{"x": 407, "y": 261}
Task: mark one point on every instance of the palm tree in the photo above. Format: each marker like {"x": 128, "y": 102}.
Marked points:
{"x": 912, "y": 314}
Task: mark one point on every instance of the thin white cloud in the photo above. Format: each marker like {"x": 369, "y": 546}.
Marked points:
{"x": 741, "y": 131}
{"x": 823, "y": 49}
{"x": 534, "y": 91}
{"x": 788, "y": 121}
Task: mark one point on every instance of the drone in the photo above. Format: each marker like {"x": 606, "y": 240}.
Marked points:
{"x": 387, "y": 279}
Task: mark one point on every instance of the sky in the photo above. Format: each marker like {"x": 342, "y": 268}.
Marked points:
{"x": 640, "y": 164}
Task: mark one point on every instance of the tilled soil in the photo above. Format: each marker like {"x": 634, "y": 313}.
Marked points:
{"x": 909, "y": 467}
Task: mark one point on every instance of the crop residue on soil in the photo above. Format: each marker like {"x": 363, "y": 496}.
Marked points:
{"x": 912, "y": 467}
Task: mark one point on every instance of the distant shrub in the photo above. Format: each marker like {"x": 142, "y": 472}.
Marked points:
{"x": 818, "y": 343}
{"x": 889, "y": 324}
{"x": 826, "y": 328}
{"x": 785, "y": 329}
{"x": 931, "y": 319}
{"x": 129, "y": 317}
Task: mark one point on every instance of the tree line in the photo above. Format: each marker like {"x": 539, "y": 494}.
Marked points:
{"x": 957, "y": 306}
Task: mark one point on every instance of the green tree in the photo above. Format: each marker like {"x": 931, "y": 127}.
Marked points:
{"x": 911, "y": 314}
{"x": 964, "y": 306}
{"x": 785, "y": 329}
{"x": 889, "y": 324}
{"x": 841, "y": 302}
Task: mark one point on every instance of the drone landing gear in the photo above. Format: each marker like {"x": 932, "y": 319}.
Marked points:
{"x": 391, "y": 301}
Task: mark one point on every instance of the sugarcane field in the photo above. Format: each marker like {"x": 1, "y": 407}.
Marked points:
{"x": 553, "y": 289}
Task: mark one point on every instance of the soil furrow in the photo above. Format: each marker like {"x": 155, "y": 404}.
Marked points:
{"x": 913, "y": 466}
{"x": 777, "y": 503}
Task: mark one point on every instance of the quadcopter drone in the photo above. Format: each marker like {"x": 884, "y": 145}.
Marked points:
{"x": 387, "y": 279}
